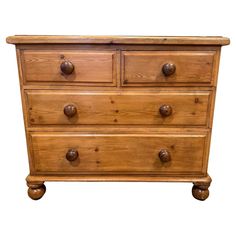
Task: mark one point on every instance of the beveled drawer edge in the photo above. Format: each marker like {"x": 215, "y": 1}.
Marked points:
{"x": 136, "y": 93}
{"x": 193, "y": 134}
{"x": 113, "y": 83}
{"x": 130, "y": 85}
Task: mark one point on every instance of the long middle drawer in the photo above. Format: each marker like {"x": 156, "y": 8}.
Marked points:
{"x": 54, "y": 107}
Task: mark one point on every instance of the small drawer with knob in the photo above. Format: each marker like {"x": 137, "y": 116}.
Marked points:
{"x": 78, "y": 153}
{"x": 55, "y": 107}
{"x": 156, "y": 68}
{"x": 68, "y": 67}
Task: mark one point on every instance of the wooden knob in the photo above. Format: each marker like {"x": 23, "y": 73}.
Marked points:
{"x": 70, "y": 110}
{"x": 164, "y": 155}
{"x": 168, "y": 69}
{"x": 67, "y": 67}
{"x": 165, "y": 110}
{"x": 72, "y": 155}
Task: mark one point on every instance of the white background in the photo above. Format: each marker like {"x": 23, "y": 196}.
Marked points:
{"x": 117, "y": 208}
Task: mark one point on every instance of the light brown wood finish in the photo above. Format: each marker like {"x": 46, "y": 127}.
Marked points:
{"x": 104, "y": 108}
{"x": 73, "y": 39}
{"x": 118, "y": 177}
{"x": 118, "y": 152}
{"x": 47, "y": 107}
{"x": 145, "y": 68}
{"x": 54, "y": 48}
{"x": 89, "y": 66}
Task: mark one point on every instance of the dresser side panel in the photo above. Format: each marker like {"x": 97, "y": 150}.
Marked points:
{"x": 24, "y": 105}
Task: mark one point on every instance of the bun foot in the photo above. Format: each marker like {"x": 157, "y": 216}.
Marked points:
{"x": 36, "y": 190}
{"x": 200, "y": 190}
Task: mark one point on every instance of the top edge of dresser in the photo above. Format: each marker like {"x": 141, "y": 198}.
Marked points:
{"x": 156, "y": 40}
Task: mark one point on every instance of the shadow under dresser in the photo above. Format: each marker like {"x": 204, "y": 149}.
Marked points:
{"x": 118, "y": 108}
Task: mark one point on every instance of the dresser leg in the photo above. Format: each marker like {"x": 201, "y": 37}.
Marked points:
{"x": 36, "y": 190}
{"x": 200, "y": 189}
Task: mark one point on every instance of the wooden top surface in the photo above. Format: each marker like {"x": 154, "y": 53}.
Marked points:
{"x": 72, "y": 39}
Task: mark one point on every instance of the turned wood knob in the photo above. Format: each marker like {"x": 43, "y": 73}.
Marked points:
{"x": 165, "y": 110}
{"x": 67, "y": 67}
{"x": 164, "y": 155}
{"x": 168, "y": 69}
{"x": 70, "y": 110}
{"x": 72, "y": 155}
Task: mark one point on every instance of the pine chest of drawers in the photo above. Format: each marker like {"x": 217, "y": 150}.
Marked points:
{"x": 113, "y": 108}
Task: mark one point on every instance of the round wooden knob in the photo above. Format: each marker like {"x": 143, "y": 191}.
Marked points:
{"x": 165, "y": 110}
{"x": 72, "y": 155}
{"x": 168, "y": 69}
{"x": 70, "y": 110}
{"x": 164, "y": 155}
{"x": 67, "y": 67}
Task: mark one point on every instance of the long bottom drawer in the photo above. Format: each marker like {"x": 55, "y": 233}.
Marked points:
{"x": 157, "y": 153}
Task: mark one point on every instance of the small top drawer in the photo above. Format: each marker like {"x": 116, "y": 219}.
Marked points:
{"x": 152, "y": 68}
{"x": 86, "y": 67}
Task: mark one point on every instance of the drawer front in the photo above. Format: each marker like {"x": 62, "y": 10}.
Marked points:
{"x": 83, "y": 67}
{"x": 150, "y": 68}
{"x": 159, "y": 108}
{"x": 78, "y": 153}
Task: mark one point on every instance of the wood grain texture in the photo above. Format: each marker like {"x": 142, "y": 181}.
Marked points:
{"x": 47, "y": 107}
{"x": 113, "y": 129}
{"x": 118, "y": 152}
{"x": 118, "y": 108}
{"x": 24, "y": 106}
{"x": 63, "y": 39}
{"x": 89, "y": 66}
{"x": 119, "y": 178}
{"x": 120, "y": 47}
{"x": 76, "y": 87}
{"x": 108, "y": 48}
{"x": 145, "y": 68}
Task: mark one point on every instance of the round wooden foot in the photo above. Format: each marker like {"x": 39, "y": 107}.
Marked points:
{"x": 200, "y": 190}
{"x": 36, "y": 191}
{"x": 200, "y": 194}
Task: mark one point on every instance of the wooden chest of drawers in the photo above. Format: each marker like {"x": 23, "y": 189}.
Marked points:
{"x": 113, "y": 108}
